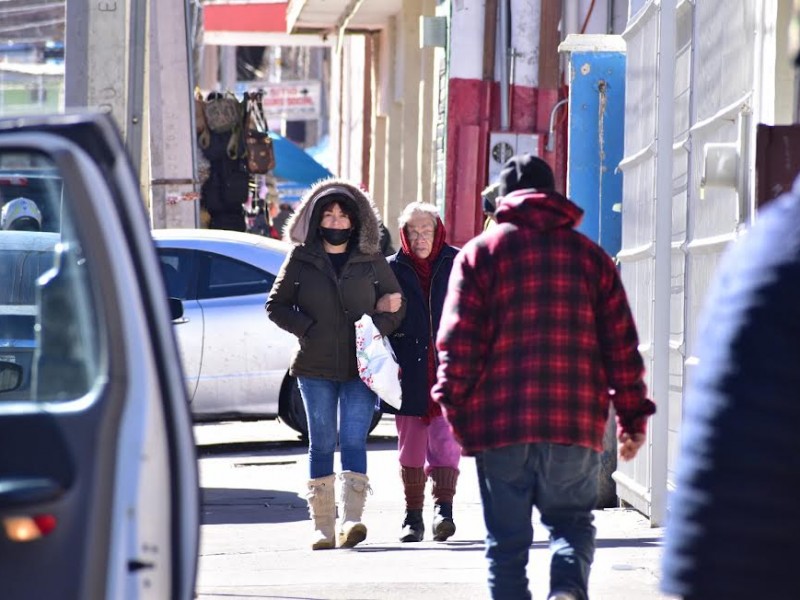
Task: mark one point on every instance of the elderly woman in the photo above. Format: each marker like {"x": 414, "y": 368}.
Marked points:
{"x": 425, "y": 442}
{"x": 333, "y": 275}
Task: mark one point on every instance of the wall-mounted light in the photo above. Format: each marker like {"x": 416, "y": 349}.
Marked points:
{"x": 720, "y": 165}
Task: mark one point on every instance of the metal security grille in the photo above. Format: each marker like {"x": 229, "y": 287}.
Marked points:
{"x": 717, "y": 46}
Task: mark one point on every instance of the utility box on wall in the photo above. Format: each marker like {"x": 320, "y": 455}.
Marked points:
{"x": 596, "y": 134}
{"x": 505, "y": 144}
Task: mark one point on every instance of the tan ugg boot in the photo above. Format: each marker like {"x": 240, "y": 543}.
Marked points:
{"x": 354, "y": 496}
{"x": 322, "y": 508}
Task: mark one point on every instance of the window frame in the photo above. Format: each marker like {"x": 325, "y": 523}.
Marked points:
{"x": 204, "y": 290}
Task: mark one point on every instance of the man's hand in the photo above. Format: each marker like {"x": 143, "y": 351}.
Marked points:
{"x": 629, "y": 445}
{"x": 389, "y": 303}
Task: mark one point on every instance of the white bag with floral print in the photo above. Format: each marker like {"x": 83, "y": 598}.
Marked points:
{"x": 377, "y": 364}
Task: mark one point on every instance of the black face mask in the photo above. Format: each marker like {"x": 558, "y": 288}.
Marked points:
{"x": 335, "y": 237}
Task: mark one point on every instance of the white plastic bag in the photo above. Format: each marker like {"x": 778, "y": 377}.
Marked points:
{"x": 377, "y": 365}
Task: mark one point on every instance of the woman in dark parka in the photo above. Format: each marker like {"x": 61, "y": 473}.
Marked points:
{"x": 335, "y": 274}
{"x": 425, "y": 442}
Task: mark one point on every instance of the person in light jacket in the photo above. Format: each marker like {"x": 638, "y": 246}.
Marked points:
{"x": 425, "y": 442}
{"x": 335, "y": 274}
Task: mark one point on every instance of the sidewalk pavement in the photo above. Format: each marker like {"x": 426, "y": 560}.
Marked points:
{"x": 254, "y": 537}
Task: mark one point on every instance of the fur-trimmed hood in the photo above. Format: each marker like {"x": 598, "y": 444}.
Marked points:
{"x": 300, "y": 229}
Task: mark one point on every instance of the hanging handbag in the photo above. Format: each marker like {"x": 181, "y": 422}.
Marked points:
{"x": 377, "y": 364}
{"x": 223, "y": 112}
{"x": 260, "y": 151}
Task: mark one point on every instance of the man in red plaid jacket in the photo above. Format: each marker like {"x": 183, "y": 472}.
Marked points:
{"x": 536, "y": 339}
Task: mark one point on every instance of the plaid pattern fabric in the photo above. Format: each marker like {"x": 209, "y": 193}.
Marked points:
{"x": 536, "y": 336}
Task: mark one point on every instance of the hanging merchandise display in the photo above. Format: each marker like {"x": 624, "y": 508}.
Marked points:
{"x": 260, "y": 151}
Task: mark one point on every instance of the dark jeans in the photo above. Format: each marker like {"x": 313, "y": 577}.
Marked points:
{"x": 355, "y": 404}
{"x": 561, "y": 481}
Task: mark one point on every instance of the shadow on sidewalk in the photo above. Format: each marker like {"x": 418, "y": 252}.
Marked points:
{"x": 251, "y": 447}
{"x": 628, "y": 543}
{"x": 614, "y": 543}
{"x": 374, "y": 442}
{"x": 450, "y": 546}
{"x": 224, "y": 506}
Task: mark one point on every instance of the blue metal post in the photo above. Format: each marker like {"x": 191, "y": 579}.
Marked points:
{"x": 596, "y": 143}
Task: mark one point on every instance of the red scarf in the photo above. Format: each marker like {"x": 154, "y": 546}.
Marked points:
{"x": 423, "y": 267}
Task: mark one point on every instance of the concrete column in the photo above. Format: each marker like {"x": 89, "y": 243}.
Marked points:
{"x": 468, "y": 121}
{"x": 346, "y": 110}
{"x": 382, "y": 85}
{"x": 97, "y": 58}
{"x": 394, "y": 181}
{"x": 351, "y": 101}
{"x": 227, "y": 76}
{"x": 378, "y": 167}
{"x": 170, "y": 150}
{"x": 427, "y": 126}
{"x": 525, "y": 41}
{"x": 209, "y": 74}
{"x": 412, "y": 9}
{"x": 336, "y": 111}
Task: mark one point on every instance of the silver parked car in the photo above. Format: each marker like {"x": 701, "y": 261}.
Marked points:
{"x": 235, "y": 360}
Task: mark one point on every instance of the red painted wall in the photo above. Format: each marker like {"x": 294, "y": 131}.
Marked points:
{"x": 473, "y": 112}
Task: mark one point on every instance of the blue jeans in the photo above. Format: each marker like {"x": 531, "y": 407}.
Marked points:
{"x": 356, "y": 406}
{"x": 561, "y": 481}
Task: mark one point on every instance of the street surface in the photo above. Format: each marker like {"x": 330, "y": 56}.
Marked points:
{"x": 255, "y": 527}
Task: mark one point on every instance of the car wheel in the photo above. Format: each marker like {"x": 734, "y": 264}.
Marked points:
{"x": 293, "y": 413}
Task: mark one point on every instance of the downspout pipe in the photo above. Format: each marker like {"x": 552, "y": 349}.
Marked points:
{"x": 505, "y": 42}
{"x": 551, "y": 130}
{"x": 610, "y": 17}
{"x": 571, "y": 16}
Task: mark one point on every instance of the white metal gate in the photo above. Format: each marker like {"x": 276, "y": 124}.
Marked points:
{"x": 714, "y": 77}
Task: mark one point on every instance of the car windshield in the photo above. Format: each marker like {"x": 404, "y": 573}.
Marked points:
{"x": 46, "y": 307}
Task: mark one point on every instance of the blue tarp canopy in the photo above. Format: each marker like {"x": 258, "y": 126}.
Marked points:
{"x": 294, "y": 164}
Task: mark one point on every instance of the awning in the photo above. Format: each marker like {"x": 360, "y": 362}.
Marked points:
{"x": 338, "y": 16}
{"x": 261, "y": 23}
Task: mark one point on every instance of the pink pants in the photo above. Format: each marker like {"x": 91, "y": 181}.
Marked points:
{"x": 427, "y": 445}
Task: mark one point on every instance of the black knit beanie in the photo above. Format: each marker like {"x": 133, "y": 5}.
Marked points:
{"x": 526, "y": 171}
